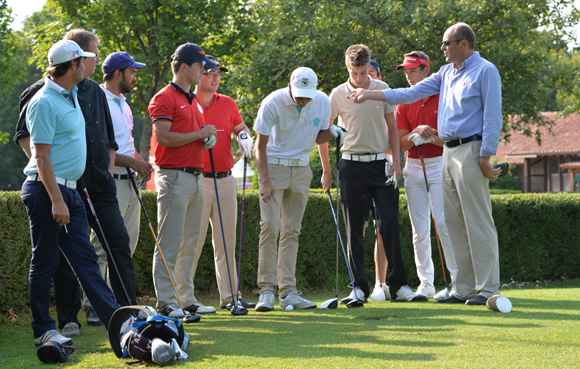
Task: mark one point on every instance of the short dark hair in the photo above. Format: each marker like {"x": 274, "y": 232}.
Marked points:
{"x": 109, "y": 76}
{"x": 464, "y": 32}
{"x": 176, "y": 64}
{"x": 59, "y": 70}
{"x": 419, "y": 54}
{"x": 82, "y": 37}
{"x": 358, "y": 56}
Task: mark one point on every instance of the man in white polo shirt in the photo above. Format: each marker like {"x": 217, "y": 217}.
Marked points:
{"x": 290, "y": 121}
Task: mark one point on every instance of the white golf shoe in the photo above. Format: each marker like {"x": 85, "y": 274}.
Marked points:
{"x": 266, "y": 302}
{"x": 426, "y": 290}
{"x": 380, "y": 293}
{"x": 406, "y": 294}
{"x": 297, "y": 301}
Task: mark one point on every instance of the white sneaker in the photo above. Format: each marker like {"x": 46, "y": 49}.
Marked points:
{"x": 266, "y": 302}
{"x": 443, "y": 294}
{"x": 355, "y": 294}
{"x": 173, "y": 311}
{"x": 386, "y": 291}
{"x": 426, "y": 290}
{"x": 295, "y": 299}
{"x": 199, "y": 308}
{"x": 70, "y": 330}
{"x": 406, "y": 294}
{"x": 378, "y": 293}
{"x": 52, "y": 336}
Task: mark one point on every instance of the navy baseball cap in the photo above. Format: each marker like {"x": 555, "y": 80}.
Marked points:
{"x": 375, "y": 66}
{"x": 217, "y": 65}
{"x": 192, "y": 52}
{"x": 120, "y": 60}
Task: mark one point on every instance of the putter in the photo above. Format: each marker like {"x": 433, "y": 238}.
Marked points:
{"x": 188, "y": 318}
{"x": 105, "y": 243}
{"x": 235, "y": 309}
{"x": 433, "y": 217}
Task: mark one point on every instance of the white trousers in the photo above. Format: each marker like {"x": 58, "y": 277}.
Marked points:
{"x": 420, "y": 214}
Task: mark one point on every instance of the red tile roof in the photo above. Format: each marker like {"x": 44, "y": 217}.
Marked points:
{"x": 564, "y": 140}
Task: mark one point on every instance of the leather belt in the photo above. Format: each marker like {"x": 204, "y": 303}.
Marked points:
{"x": 436, "y": 159}
{"x": 365, "y": 158}
{"x": 194, "y": 171}
{"x": 461, "y": 141}
{"x": 68, "y": 183}
{"x": 218, "y": 175}
{"x": 122, "y": 176}
{"x": 288, "y": 162}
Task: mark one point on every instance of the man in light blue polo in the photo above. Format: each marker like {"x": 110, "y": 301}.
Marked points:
{"x": 55, "y": 210}
{"x": 470, "y": 122}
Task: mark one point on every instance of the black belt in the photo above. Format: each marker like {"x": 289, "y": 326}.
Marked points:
{"x": 461, "y": 141}
{"x": 122, "y": 176}
{"x": 218, "y": 175}
{"x": 194, "y": 171}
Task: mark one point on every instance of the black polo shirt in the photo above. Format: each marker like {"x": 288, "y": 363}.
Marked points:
{"x": 98, "y": 128}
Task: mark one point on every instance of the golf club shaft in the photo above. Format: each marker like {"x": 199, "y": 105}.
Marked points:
{"x": 340, "y": 237}
{"x": 242, "y": 225}
{"x": 337, "y": 195}
{"x": 105, "y": 243}
{"x": 154, "y": 237}
{"x": 432, "y": 213}
{"x": 221, "y": 224}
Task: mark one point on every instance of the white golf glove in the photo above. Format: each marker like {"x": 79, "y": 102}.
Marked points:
{"x": 418, "y": 139}
{"x": 337, "y": 131}
{"x": 391, "y": 179}
{"x": 209, "y": 142}
{"x": 245, "y": 143}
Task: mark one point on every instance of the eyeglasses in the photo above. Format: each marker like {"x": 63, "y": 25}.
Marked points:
{"x": 447, "y": 43}
{"x": 213, "y": 75}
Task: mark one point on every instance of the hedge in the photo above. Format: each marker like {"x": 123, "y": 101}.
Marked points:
{"x": 539, "y": 239}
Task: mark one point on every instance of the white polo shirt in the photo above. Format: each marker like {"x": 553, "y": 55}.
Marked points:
{"x": 123, "y": 124}
{"x": 292, "y": 132}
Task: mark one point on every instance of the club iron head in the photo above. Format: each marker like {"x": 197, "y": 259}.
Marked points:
{"x": 238, "y": 310}
{"x": 191, "y": 318}
{"x": 329, "y": 304}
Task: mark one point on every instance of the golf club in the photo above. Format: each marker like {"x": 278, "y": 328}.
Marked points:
{"x": 105, "y": 243}
{"x": 235, "y": 309}
{"x": 433, "y": 217}
{"x": 188, "y": 318}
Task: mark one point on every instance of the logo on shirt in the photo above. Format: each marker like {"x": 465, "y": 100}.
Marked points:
{"x": 316, "y": 122}
{"x": 183, "y": 106}
{"x": 435, "y": 112}
{"x": 200, "y": 109}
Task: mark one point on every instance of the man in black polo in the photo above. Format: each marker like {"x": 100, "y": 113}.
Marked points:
{"x": 100, "y": 184}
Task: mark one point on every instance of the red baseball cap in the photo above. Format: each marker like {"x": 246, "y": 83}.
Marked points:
{"x": 413, "y": 62}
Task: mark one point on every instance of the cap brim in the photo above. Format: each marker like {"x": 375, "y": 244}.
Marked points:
{"x": 137, "y": 65}
{"x": 211, "y": 69}
{"x": 308, "y": 93}
{"x": 408, "y": 65}
{"x": 87, "y": 54}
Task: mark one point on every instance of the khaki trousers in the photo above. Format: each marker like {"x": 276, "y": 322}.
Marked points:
{"x": 282, "y": 215}
{"x": 179, "y": 208}
{"x": 467, "y": 207}
{"x": 227, "y": 189}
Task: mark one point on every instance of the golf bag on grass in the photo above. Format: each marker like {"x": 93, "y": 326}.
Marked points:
{"x": 149, "y": 337}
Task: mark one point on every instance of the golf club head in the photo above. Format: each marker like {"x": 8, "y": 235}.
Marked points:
{"x": 329, "y": 304}
{"x": 229, "y": 306}
{"x": 355, "y": 304}
{"x": 191, "y": 318}
{"x": 238, "y": 310}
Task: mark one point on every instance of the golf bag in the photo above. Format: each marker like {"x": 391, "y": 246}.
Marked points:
{"x": 137, "y": 332}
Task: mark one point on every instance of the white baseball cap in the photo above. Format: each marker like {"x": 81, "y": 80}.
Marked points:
{"x": 303, "y": 83}
{"x": 66, "y": 50}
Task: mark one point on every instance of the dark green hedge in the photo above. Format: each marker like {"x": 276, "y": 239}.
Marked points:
{"x": 539, "y": 238}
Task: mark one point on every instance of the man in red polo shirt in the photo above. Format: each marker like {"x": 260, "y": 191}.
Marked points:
{"x": 177, "y": 143}
{"x": 417, "y": 124}
{"x": 222, "y": 111}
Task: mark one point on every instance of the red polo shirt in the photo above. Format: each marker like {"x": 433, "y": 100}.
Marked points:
{"x": 420, "y": 113}
{"x": 223, "y": 113}
{"x": 172, "y": 104}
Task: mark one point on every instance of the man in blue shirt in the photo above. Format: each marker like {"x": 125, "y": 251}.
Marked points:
{"x": 470, "y": 122}
{"x": 55, "y": 210}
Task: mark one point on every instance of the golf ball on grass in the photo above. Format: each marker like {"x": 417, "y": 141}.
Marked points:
{"x": 289, "y": 307}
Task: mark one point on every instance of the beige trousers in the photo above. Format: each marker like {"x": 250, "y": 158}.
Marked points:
{"x": 227, "y": 189}
{"x": 467, "y": 207}
{"x": 179, "y": 208}
{"x": 282, "y": 215}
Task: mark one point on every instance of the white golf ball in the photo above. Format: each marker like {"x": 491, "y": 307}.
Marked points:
{"x": 289, "y": 307}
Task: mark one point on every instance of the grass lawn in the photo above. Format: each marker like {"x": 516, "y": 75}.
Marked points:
{"x": 542, "y": 331}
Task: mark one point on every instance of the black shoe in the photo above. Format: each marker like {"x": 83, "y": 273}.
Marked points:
{"x": 451, "y": 300}
{"x": 477, "y": 300}
{"x": 93, "y": 318}
{"x": 241, "y": 302}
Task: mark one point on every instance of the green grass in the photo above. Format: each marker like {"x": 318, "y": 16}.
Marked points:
{"x": 541, "y": 331}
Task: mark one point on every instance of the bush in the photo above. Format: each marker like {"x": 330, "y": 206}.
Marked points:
{"x": 538, "y": 239}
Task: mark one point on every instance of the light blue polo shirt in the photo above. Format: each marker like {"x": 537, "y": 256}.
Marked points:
{"x": 52, "y": 119}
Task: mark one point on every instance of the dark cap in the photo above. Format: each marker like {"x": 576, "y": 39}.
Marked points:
{"x": 120, "y": 60}
{"x": 217, "y": 65}
{"x": 375, "y": 66}
{"x": 192, "y": 52}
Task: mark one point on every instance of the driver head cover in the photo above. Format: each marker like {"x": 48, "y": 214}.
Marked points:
{"x": 161, "y": 352}
{"x": 54, "y": 352}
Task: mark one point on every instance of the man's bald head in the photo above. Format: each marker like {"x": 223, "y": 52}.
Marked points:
{"x": 463, "y": 31}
